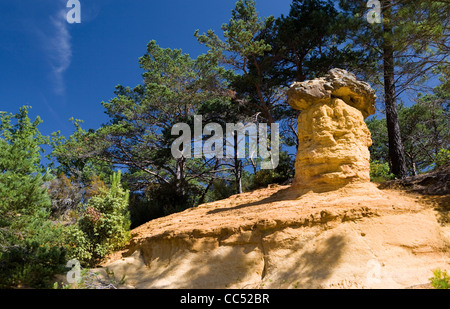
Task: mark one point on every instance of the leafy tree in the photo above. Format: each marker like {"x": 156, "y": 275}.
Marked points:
{"x": 21, "y": 181}
{"x": 257, "y": 94}
{"x": 305, "y": 44}
{"x": 311, "y": 40}
{"x": 80, "y": 167}
{"x": 379, "y": 172}
{"x": 242, "y": 48}
{"x": 31, "y": 248}
{"x": 139, "y": 137}
{"x": 424, "y": 127}
{"x": 379, "y": 151}
{"x": 407, "y": 45}
{"x": 442, "y": 158}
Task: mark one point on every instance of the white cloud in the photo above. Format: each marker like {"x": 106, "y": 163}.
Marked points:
{"x": 57, "y": 44}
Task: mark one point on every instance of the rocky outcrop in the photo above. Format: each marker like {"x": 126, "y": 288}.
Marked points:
{"x": 333, "y": 137}
{"x": 273, "y": 238}
{"x": 331, "y": 229}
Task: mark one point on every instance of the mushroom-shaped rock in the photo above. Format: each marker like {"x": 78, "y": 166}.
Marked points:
{"x": 333, "y": 137}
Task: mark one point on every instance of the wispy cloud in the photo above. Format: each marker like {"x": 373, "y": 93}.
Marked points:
{"x": 57, "y": 44}
{"x": 54, "y": 39}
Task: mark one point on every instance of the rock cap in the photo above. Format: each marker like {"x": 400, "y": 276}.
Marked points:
{"x": 337, "y": 83}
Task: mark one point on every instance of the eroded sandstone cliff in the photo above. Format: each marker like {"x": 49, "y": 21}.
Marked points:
{"x": 274, "y": 238}
{"x": 331, "y": 229}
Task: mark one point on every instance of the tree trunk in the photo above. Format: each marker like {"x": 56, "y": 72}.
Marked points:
{"x": 396, "y": 151}
{"x": 180, "y": 176}
{"x": 210, "y": 184}
{"x": 413, "y": 164}
{"x": 238, "y": 177}
{"x": 237, "y": 166}
{"x": 414, "y": 167}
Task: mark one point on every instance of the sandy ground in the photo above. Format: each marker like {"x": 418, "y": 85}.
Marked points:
{"x": 280, "y": 237}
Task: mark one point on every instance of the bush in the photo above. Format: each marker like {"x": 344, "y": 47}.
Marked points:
{"x": 221, "y": 189}
{"x": 30, "y": 264}
{"x": 31, "y": 252}
{"x": 379, "y": 172}
{"x": 142, "y": 210}
{"x": 283, "y": 173}
{"x": 441, "y": 279}
{"x": 103, "y": 227}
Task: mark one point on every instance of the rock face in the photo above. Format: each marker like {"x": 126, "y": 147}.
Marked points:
{"x": 273, "y": 238}
{"x": 333, "y": 137}
{"x": 350, "y": 234}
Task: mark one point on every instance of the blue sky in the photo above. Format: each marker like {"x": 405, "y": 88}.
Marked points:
{"x": 66, "y": 70}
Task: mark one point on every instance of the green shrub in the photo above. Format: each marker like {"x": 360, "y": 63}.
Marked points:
{"x": 30, "y": 264}
{"x": 169, "y": 199}
{"x": 440, "y": 280}
{"x": 442, "y": 158}
{"x": 222, "y": 189}
{"x": 284, "y": 172}
{"x": 141, "y": 210}
{"x": 103, "y": 227}
{"x": 31, "y": 253}
{"x": 379, "y": 171}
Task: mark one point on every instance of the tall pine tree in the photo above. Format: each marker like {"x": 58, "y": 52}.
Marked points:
{"x": 405, "y": 48}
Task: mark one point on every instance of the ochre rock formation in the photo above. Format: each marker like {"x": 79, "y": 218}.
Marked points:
{"x": 333, "y": 137}
{"x": 342, "y": 232}
{"x": 270, "y": 238}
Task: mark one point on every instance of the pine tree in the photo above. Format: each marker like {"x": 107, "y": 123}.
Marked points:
{"x": 241, "y": 49}
{"x": 22, "y": 191}
{"x": 403, "y": 50}
{"x": 31, "y": 247}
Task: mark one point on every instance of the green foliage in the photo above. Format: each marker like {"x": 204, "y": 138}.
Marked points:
{"x": 168, "y": 198}
{"x": 80, "y": 168}
{"x": 142, "y": 210}
{"x": 30, "y": 264}
{"x": 31, "y": 247}
{"x": 21, "y": 181}
{"x": 283, "y": 173}
{"x": 403, "y": 51}
{"x": 442, "y": 157}
{"x": 310, "y": 40}
{"x": 379, "y": 171}
{"x": 138, "y": 134}
{"x": 32, "y": 251}
{"x": 240, "y": 36}
{"x": 240, "y": 51}
{"x": 221, "y": 189}
{"x": 425, "y": 132}
{"x": 440, "y": 280}
{"x": 103, "y": 227}
{"x": 379, "y": 151}
{"x": 162, "y": 199}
